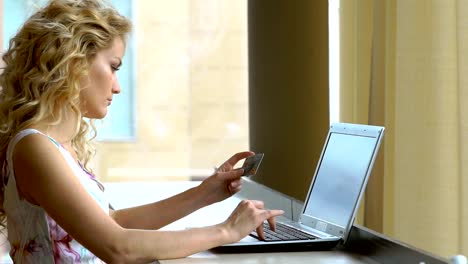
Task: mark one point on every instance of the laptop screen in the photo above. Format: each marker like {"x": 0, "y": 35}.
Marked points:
{"x": 341, "y": 173}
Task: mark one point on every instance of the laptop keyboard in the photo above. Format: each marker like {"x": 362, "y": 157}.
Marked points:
{"x": 283, "y": 233}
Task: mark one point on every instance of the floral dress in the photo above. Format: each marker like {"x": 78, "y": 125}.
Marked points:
{"x": 33, "y": 235}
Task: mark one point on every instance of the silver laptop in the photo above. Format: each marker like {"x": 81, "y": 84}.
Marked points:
{"x": 334, "y": 194}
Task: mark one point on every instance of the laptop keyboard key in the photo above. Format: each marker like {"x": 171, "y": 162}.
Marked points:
{"x": 282, "y": 233}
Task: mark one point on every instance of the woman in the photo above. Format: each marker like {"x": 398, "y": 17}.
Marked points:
{"x": 59, "y": 69}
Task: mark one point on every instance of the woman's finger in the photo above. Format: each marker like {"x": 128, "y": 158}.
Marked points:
{"x": 231, "y": 175}
{"x": 272, "y": 223}
{"x": 260, "y": 232}
{"x": 268, "y": 214}
{"x": 235, "y": 190}
{"x": 234, "y": 186}
{"x": 236, "y": 183}
{"x": 258, "y": 204}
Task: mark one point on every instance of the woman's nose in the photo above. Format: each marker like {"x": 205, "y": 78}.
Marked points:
{"x": 116, "y": 88}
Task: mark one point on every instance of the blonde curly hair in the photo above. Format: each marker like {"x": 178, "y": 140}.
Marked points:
{"x": 44, "y": 64}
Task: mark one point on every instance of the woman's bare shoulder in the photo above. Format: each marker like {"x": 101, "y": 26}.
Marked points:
{"x": 33, "y": 146}
{"x": 35, "y": 160}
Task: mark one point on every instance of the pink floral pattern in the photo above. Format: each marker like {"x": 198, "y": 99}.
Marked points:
{"x": 61, "y": 242}
{"x": 34, "y": 236}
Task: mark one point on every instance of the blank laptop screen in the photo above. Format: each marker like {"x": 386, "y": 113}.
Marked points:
{"x": 341, "y": 173}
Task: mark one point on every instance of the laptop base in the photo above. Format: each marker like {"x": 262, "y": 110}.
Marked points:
{"x": 285, "y": 247}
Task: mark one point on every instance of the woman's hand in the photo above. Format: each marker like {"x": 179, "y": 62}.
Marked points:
{"x": 250, "y": 215}
{"x": 226, "y": 180}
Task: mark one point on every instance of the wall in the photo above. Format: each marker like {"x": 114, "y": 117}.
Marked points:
{"x": 288, "y": 90}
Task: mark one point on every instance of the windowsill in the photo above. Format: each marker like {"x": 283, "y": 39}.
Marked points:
{"x": 127, "y": 194}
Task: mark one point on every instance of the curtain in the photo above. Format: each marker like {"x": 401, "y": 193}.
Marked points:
{"x": 404, "y": 65}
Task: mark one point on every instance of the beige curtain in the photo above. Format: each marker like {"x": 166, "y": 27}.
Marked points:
{"x": 404, "y": 65}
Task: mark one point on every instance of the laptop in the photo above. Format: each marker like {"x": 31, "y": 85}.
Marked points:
{"x": 333, "y": 198}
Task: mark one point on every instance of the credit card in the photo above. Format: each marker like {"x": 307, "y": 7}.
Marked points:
{"x": 251, "y": 164}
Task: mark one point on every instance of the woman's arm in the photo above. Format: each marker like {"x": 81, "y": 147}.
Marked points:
{"x": 161, "y": 213}
{"x": 44, "y": 178}
{"x": 222, "y": 184}
{"x": 176, "y": 244}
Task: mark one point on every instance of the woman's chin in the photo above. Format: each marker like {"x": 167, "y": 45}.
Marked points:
{"x": 96, "y": 115}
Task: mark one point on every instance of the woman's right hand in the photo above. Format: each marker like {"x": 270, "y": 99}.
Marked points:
{"x": 249, "y": 215}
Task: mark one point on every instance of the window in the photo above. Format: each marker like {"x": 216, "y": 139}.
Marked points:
{"x": 120, "y": 122}
{"x": 185, "y": 109}
{"x": 334, "y": 42}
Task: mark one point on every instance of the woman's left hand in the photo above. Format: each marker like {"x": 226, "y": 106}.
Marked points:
{"x": 225, "y": 181}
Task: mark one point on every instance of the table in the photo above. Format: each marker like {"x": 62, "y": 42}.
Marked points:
{"x": 365, "y": 246}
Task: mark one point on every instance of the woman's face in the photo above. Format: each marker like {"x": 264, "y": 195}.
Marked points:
{"x": 101, "y": 83}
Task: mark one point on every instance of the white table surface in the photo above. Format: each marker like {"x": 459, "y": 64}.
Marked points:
{"x": 130, "y": 194}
